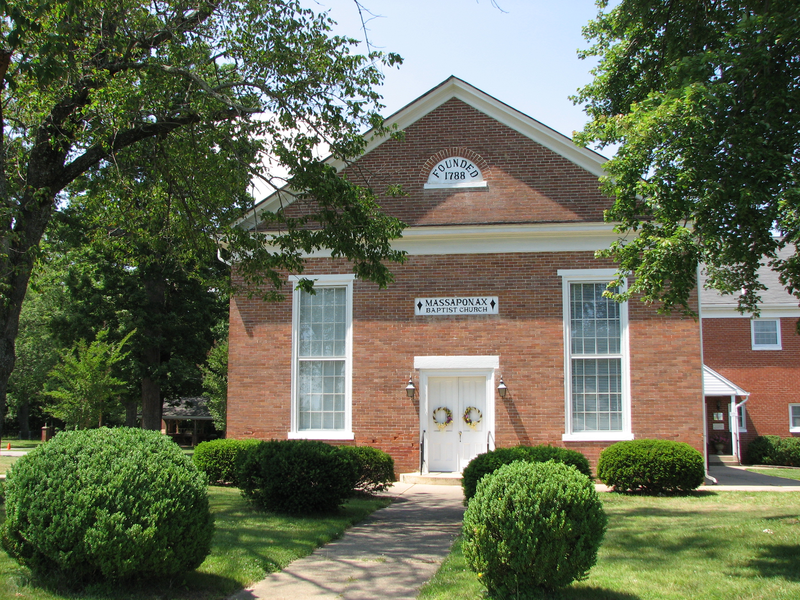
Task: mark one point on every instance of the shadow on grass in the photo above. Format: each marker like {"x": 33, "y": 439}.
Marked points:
{"x": 777, "y": 561}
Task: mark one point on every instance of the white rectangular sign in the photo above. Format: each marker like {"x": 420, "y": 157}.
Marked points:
{"x": 473, "y": 305}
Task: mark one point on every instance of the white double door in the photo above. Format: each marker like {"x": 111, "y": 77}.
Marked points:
{"x": 452, "y": 445}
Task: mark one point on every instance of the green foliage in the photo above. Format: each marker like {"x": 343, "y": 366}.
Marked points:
{"x": 700, "y": 98}
{"x": 152, "y": 120}
{"x": 37, "y": 352}
{"x": 532, "y": 527}
{"x": 297, "y": 476}
{"x": 774, "y": 450}
{"x": 763, "y": 450}
{"x": 483, "y": 464}
{"x": 217, "y": 458}
{"x": 83, "y": 384}
{"x": 375, "y": 468}
{"x": 788, "y": 452}
{"x": 651, "y": 467}
{"x": 107, "y": 504}
{"x": 215, "y": 382}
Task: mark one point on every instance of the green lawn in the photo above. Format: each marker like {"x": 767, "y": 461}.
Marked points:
{"x": 247, "y": 546}
{"x": 785, "y": 473}
{"x": 714, "y": 545}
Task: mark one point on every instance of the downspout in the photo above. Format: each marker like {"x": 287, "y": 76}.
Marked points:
{"x": 702, "y": 363}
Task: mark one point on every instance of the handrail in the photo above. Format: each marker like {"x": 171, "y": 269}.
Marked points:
{"x": 489, "y": 434}
{"x": 421, "y": 449}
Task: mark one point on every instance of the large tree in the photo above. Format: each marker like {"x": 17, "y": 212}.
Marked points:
{"x": 91, "y": 79}
{"x": 703, "y": 98}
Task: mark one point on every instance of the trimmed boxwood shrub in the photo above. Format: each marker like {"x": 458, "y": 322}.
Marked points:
{"x": 107, "y": 504}
{"x": 489, "y": 462}
{"x": 788, "y": 452}
{"x": 217, "y": 458}
{"x": 651, "y": 466}
{"x": 763, "y": 450}
{"x": 296, "y": 476}
{"x": 532, "y": 527}
{"x": 375, "y": 468}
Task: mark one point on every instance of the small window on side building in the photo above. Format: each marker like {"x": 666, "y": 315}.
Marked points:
{"x": 766, "y": 334}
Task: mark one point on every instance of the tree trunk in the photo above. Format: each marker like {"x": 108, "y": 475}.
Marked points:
{"x": 156, "y": 290}
{"x": 23, "y": 418}
{"x": 131, "y": 413}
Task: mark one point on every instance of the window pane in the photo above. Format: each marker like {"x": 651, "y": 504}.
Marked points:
{"x": 321, "y": 388}
{"x": 594, "y": 320}
{"x": 765, "y": 333}
{"x": 596, "y": 394}
{"x": 322, "y": 323}
{"x": 796, "y": 416}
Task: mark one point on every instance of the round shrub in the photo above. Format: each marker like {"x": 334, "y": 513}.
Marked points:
{"x": 763, "y": 450}
{"x": 296, "y": 476}
{"x": 483, "y": 464}
{"x": 375, "y": 468}
{"x": 532, "y": 527}
{"x": 651, "y": 467}
{"x": 107, "y": 504}
{"x": 217, "y": 458}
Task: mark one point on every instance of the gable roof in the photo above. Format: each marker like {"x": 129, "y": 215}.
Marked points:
{"x": 715, "y": 384}
{"x": 451, "y": 88}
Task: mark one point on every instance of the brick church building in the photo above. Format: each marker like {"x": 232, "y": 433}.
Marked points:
{"x": 495, "y": 331}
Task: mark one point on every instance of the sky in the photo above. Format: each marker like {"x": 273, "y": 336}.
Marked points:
{"x": 524, "y": 55}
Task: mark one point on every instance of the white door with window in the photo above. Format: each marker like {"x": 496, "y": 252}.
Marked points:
{"x": 457, "y": 427}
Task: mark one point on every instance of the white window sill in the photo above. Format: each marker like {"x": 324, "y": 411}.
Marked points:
{"x": 767, "y": 348}
{"x": 597, "y": 436}
{"x": 321, "y": 435}
{"x": 794, "y": 430}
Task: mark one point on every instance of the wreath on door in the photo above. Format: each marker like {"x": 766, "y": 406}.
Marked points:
{"x": 473, "y": 423}
{"x": 448, "y": 417}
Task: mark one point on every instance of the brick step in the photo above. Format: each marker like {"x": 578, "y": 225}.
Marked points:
{"x": 431, "y": 478}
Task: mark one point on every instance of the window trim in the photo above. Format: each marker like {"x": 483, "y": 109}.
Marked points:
{"x": 742, "y": 417}
{"x": 793, "y": 429}
{"x": 568, "y": 277}
{"x": 323, "y": 281}
{"x": 776, "y": 346}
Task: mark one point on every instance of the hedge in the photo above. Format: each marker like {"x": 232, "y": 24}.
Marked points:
{"x": 375, "y": 468}
{"x": 217, "y": 458}
{"x": 296, "y": 476}
{"x": 651, "y": 467}
{"x": 489, "y": 462}
{"x": 774, "y": 450}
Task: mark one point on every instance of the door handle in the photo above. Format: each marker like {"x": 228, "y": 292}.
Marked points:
{"x": 459, "y": 436}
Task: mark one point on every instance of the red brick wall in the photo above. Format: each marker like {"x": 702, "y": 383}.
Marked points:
{"x": 528, "y": 183}
{"x": 771, "y": 376}
{"x": 666, "y": 386}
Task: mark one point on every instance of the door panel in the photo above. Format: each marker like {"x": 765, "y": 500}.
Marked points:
{"x": 442, "y": 442}
{"x": 451, "y": 448}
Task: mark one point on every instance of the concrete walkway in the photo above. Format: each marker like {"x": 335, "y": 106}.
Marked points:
{"x": 389, "y": 556}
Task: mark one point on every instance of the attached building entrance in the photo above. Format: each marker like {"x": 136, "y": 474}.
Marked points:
{"x": 456, "y": 416}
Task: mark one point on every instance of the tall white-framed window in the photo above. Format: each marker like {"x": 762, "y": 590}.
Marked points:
{"x": 794, "y": 418}
{"x": 596, "y": 359}
{"x": 322, "y": 352}
{"x": 765, "y": 334}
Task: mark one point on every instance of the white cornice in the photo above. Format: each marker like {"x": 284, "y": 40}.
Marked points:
{"x": 767, "y": 311}
{"x": 502, "y": 239}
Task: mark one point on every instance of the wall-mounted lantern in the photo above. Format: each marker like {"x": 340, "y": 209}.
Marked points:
{"x": 410, "y": 389}
{"x": 502, "y": 388}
